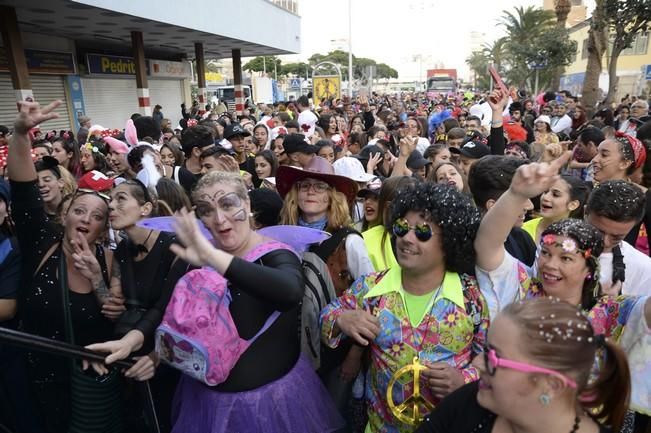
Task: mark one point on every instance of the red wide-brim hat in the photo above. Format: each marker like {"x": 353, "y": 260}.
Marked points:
{"x": 318, "y": 169}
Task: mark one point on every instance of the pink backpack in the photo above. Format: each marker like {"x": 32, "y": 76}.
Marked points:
{"x": 197, "y": 334}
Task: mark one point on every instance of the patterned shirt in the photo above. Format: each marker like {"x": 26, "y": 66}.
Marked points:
{"x": 453, "y": 330}
{"x": 513, "y": 281}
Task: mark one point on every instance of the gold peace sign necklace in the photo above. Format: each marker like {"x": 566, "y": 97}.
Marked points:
{"x": 409, "y": 411}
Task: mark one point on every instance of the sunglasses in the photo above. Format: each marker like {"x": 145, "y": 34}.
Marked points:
{"x": 422, "y": 231}
{"x": 83, "y": 191}
{"x": 492, "y": 361}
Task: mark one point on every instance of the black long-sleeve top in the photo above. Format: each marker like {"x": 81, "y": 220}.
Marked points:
{"x": 461, "y": 413}
{"x": 40, "y": 306}
{"x": 148, "y": 284}
{"x": 496, "y": 141}
{"x": 272, "y": 283}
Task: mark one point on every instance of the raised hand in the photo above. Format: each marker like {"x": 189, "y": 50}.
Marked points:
{"x": 31, "y": 115}
{"x": 196, "y": 248}
{"x": 373, "y": 162}
{"x": 533, "y": 179}
{"x": 407, "y": 146}
{"x": 498, "y": 100}
{"x": 84, "y": 259}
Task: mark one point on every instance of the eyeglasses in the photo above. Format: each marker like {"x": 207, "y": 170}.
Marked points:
{"x": 83, "y": 191}
{"x": 305, "y": 186}
{"x": 492, "y": 361}
{"x": 422, "y": 231}
{"x": 229, "y": 204}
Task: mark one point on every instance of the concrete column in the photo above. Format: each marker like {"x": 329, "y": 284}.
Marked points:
{"x": 201, "y": 73}
{"x": 237, "y": 81}
{"x": 144, "y": 103}
{"x": 13, "y": 45}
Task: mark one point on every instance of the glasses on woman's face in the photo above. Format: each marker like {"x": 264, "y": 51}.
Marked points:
{"x": 422, "y": 231}
{"x": 492, "y": 361}
{"x": 306, "y": 186}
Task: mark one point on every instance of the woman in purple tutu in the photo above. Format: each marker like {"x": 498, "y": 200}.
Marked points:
{"x": 270, "y": 389}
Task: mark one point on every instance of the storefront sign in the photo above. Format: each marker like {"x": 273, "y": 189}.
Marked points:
{"x": 647, "y": 73}
{"x": 167, "y": 69}
{"x": 118, "y": 65}
{"x": 43, "y": 62}
{"x": 110, "y": 65}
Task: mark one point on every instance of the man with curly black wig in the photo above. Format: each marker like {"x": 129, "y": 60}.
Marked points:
{"x": 426, "y": 316}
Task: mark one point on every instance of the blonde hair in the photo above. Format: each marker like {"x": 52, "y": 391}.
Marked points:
{"x": 338, "y": 211}
{"x": 559, "y": 336}
{"x": 221, "y": 177}
{"x": 69, "y": 181}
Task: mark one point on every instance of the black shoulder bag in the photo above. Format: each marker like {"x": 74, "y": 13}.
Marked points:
{"x": 95, "y": 402}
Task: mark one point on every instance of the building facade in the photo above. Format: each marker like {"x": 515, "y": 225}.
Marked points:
{"x": 633, "y": 66}
{"x": 109, "y": 59}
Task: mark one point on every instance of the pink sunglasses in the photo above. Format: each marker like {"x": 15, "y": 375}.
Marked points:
{"x": 492, "y": 361}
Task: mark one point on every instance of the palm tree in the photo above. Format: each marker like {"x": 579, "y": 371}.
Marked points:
{"x": 562, "y": 9}
{"x": 522, "y": 27}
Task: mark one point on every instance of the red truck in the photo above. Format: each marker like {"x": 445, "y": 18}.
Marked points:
{"x": 442, "y": 80}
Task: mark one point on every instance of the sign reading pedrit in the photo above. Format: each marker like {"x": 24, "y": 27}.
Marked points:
{"x": 119, "y": 65}
{"x": 110, "y": 65}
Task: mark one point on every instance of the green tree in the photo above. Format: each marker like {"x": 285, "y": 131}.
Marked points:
{"x": 533, "y": 39}
{"x": 258, "y": 64}
{"x": 385, "y": 71}
{"x": 626, "y": 19}
{"x": 296, "y": 69}
{"x": 478, "y": 62}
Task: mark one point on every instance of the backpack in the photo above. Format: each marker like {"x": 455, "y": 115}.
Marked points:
{"x": 197, "y": 335}
{"x": 325, "y": 268}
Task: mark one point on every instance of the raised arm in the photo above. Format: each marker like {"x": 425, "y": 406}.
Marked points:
{"x": 529, "y": 181}
{"x": 19, "y": 160}
{"x": 497, "y": 101}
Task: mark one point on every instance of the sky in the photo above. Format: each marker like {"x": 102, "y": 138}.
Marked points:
{"x": 402, "y": 33}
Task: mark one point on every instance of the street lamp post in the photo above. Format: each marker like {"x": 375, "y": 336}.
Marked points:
{"x": 350, "y": 49}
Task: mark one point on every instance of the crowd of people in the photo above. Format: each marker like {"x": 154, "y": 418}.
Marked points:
{"x": 382, "y": 264}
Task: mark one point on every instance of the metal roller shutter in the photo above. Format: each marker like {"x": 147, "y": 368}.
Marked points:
{"x": 48, "y": 88}
{"x": 110, "y": 102}
{"x": 169, "y": 95}
{"x": 8, "y": 108}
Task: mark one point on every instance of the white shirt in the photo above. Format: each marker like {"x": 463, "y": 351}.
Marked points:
{"x": 638, "y": 271}
{"x": 564, "y": 124}
{"x": 359, "y": 263}
{"x": 422, "y": 145}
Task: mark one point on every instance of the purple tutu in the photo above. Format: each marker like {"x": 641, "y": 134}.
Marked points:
{"x": 297, "y": 402}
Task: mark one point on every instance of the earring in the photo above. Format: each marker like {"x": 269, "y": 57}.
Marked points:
{"x": 544, "y": 399}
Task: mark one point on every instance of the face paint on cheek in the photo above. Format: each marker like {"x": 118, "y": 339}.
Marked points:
{"x": 240, "y": 215}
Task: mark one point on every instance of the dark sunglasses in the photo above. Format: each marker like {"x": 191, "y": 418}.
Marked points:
{"x": 422, "y": 231}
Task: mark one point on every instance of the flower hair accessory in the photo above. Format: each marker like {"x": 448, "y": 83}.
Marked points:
{"x": 568, "y": 245}
{"x": 91, "y": 147}
{"x": 192, "y": 122}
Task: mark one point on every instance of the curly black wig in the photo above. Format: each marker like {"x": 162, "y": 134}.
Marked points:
{"x": 587, "y": 238}
{"x": 452, "y": 211}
